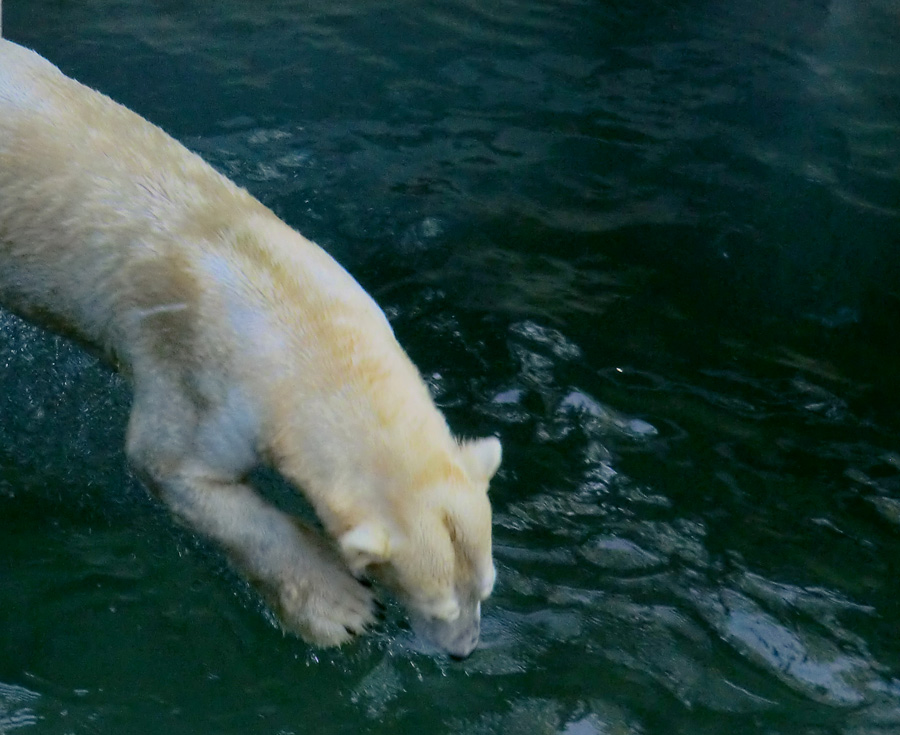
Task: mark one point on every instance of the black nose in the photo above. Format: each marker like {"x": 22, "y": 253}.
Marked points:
{"x": 459, "y": 656}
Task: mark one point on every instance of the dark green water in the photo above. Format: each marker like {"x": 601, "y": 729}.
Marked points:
{"x": 653, "y": 245}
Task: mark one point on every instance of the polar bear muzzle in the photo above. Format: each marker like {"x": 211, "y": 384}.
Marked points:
{"x": 458, "y": 637}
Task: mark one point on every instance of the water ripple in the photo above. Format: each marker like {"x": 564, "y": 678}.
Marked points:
{"x": 16, "y": 708}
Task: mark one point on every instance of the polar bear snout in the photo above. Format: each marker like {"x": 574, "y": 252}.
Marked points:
{"x": 457, "y": 638}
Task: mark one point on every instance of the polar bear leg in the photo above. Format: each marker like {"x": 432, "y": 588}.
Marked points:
{"x": 302, "y": 577}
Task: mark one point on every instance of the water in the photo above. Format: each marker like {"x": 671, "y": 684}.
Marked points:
{"x": 652, "y": 245}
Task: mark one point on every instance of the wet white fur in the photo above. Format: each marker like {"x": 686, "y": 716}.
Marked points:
{"x": 245, "y": 342}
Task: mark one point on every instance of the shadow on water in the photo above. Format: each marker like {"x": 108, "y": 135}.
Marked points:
{"x": 652, "y": 245}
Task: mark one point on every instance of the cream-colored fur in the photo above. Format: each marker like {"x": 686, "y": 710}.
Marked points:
{"x": 245, "y": 342}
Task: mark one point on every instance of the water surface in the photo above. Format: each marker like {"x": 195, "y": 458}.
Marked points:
{"x": 652, "y": 246}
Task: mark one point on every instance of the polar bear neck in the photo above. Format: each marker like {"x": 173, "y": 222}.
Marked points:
{"x": 367, "y": 439}
{"x": 349, "y": 412}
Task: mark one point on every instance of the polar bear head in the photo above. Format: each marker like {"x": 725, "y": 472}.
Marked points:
{"x": 432, "y": 549}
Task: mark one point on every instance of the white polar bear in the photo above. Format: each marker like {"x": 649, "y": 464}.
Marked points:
{"x": 244, "y": 342}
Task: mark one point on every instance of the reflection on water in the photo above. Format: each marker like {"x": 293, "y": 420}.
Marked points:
{"x": 653, "y": 247}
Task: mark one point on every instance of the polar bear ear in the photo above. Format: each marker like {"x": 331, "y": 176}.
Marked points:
{"x": 482, "y": 457}
{"x": 367, "y": 543}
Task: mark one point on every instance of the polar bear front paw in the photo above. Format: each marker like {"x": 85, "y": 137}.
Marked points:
{"x": 326, "y": 612}
{"x": 318, "y": 598}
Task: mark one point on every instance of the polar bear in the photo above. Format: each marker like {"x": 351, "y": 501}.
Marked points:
{"x": 244, "y": 343}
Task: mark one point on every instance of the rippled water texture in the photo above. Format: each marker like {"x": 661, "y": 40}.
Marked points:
{"x": 652, "y": 245}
